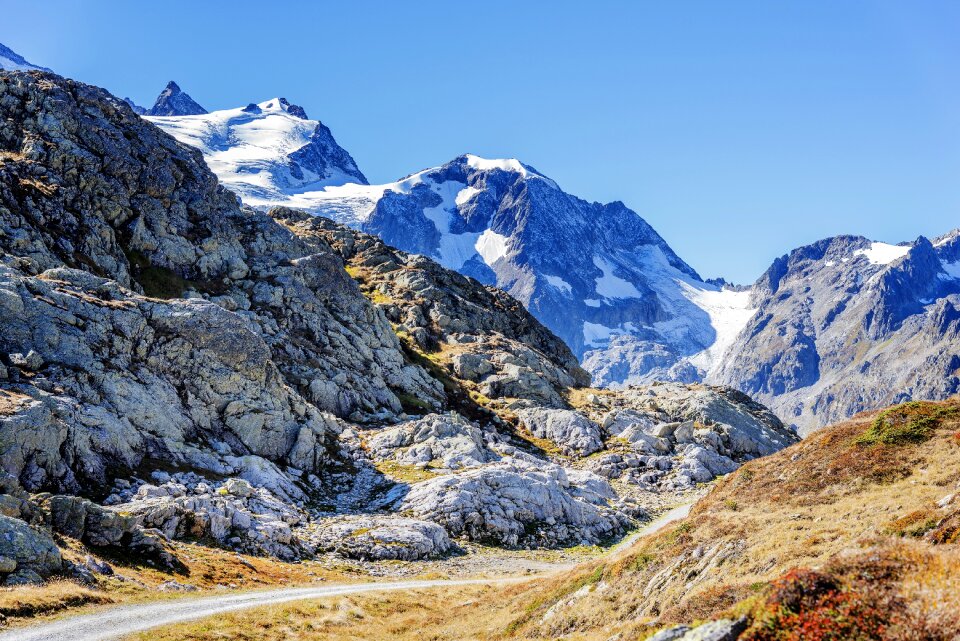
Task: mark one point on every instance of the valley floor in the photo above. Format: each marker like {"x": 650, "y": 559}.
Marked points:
{"x": 346, "y": 589}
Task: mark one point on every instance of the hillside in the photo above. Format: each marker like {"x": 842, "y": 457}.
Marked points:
{"x": 855, "y": 528}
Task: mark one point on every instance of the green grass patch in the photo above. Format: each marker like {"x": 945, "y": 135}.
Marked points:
{"x": 907, "y": 423}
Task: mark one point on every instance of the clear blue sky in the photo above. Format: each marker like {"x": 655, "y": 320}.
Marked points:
{"x": 739, "y": 130}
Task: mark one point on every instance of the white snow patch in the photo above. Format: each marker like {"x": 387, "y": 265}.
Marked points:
{"x": 597, "y": 334}
{"x": 952, "y": 269}
{"x": 559, "y": 283}
{"x": 882, "y": 253}
{"x": 610, "y": 285}
{"x": 491, "y": 246}
{"x": 592, "y": 302}
{"x": 465, "y": 195}
{"x": 504, "y": 164}
{"x": 729, "y": 311}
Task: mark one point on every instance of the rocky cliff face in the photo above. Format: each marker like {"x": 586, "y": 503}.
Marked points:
{"x": 159, "y": 315}
{"x": 847, "y": 324}
{"x": 173, "y": 101}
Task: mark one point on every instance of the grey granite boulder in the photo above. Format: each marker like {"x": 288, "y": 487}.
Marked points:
{"x": 28, "y": 552}
{"x": 380, "y": 537}
{"x": 570, "y": 430}
{"x": 516, "y": 502}
{"x": 446, "y": 441}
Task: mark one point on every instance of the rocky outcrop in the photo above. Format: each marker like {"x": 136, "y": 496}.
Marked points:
{"x": 380, "y": 538}
{"x": 27, "y": 553}
{"x": 571, "y": 431}
{"x": 487, "y": 336}
{"x": 442, "y": 442}
{"x": 270, "y": 332}
{"x": 232, "y": 513}
{"x": 680, "y": 435}
{"x": 518, "y": 501}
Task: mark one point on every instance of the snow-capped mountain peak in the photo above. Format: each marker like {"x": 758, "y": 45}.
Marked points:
{"x": 266, "y": 151}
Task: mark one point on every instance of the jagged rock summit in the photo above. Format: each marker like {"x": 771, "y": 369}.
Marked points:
{"x": 173, "y": 101}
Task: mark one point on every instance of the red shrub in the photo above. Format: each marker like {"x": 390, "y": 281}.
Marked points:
{"x": 810, "y": 606}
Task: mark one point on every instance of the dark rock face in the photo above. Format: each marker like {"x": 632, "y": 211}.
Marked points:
{"x": 172, "y": 101}
{"x": 845, "y": 325}
{"x": 321, "y": 155}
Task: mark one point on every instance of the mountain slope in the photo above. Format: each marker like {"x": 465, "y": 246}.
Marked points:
{"x": 221, "y": 375}
{"x": 12, "y": 61}
{"x": 819, "y": 337}
{"x": 870, "y": 506}
{"x": 847, "y": 324}
{"x": 597, "y": 275}
{"x": 172, "y": 101}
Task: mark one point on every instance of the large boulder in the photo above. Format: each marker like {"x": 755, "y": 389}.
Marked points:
{"x": 516, "y": 502}
{"x": 446, "y": 441}
{"x": 571, "y": 431}
{"x": 380, "y": 537}
{"x": 27, "y": 553}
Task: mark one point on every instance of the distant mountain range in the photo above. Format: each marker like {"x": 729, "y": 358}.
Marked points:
{"x": 830, "y": 329}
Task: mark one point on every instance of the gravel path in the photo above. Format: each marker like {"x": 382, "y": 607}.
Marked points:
{"x": 117, "y": 622}
{"x": 120, "y": 621}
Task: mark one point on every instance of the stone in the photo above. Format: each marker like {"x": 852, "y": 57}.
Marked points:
{"x": 570, "y": 430}
{"x": 238, "y": 487}
{"x": 378, "y": 538}
{"x": 176, "y": 586}
{"x": 446, "y": 441}
{"x": 32, "y": 549}
{"x": 7, "y": 565}
{"x": 97, "y": 567}
{"x": 721, "y": 630}
{"x": 23, "y": 576}
{"x": 514, "y": 502}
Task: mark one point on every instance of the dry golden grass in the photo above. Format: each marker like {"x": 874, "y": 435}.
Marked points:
{"x": 461, "y": 613}
{"x": 801, "y": 507}
{"x": 31, "y": 601}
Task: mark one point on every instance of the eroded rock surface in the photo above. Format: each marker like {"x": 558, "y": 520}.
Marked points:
{"x": 368, "y": 537}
